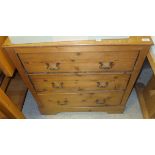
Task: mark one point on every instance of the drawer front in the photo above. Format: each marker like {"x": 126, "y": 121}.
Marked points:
{"x": 87, "y": 99}
{"x": 69, "y": 82}
{"x": 59, "y": 62}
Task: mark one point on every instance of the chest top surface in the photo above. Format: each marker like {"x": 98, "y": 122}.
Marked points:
{"x": 132, "y": 40}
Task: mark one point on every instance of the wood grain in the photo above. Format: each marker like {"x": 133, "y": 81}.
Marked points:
{"x": 22, "y": 72}
{"x": 149, "y": 97}
{"x": 6, "y": 64}
{"x": 86, "y": 99}
{"x": 9, "y": 108}
{"x": 17, "y": 91}
{"x": 78, "y": 62}
{"x": 2, "y": 115}
{"x": 109, "y": 109}
{"x": 44, "y": 66}
{"x": 133, "y": 40}
{"x": 5, "y": 83}
{"x": 80, "y": 82}
{"x": 151, "y": 59}
{"x": 135, "y": 73}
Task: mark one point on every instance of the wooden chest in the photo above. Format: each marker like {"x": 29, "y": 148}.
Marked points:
{"x": 80, "y": 75}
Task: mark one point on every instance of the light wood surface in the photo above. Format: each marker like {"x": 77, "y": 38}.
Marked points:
{"x": 6, "y": 64}
{"x": 22, "y": 72}
{"x": 80, "y": 82}
{"x": 9, "y": 108}
{"x": 109, "y": 109}
{"x": 86, "y": 99}
{"x": 14, "y": 90}
{"x": 146, "y": 96}
{"x": 151, "y": 59}
{"x": 78, "y": 61}
{"x": 149, "y": 96}
{"x": 133, "y": 40}
{"x": 17, "y": 91}
{"x": 2, "y": 115}
{"x": 139, "y": 89}
{"x": 137, "y": 68}
{"x": 5, "y": 83}
{"x": 44, "y": 68}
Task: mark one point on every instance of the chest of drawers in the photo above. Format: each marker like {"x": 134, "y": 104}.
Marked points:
{"x": 80, "y": 75}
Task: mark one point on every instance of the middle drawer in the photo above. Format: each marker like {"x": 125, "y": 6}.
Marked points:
{"x": 79, "y": 82}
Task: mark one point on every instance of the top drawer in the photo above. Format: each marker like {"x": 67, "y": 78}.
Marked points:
{"x": 77, "y": 61}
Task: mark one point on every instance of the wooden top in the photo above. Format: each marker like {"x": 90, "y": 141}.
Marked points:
{"x": 146, "y": 40}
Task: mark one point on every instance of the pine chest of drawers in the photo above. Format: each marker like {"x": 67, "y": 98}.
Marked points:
{"x": 80, "y": 75}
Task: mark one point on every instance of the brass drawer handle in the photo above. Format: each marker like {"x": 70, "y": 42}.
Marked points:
{"x": 102, "y": 84}
{"x": 106, "y": 65}
{"x": 57, "y": 85}
{"x": 65, "y": 102}
{"x": 53, "y": 66}
{"x": 101, "y": 102}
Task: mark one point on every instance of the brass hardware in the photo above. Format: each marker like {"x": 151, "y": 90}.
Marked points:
{"x": 65, "y": 102}
{"x": 57, "y": 85}
{"x": 106, "y": 65}
{"x": 102, "y": 84}
{"x": 53, "y": 66}
{"x": 101, "y": 102}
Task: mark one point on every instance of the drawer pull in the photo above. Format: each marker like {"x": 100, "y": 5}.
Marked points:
{"x": 106, "y": 65}
{"x": 65, "y": 102}
{"x": 102, "y": 84}
{"x": 53, "y": 66}
{"x": 101, "y": 102}
{"x": 57, "y": 85}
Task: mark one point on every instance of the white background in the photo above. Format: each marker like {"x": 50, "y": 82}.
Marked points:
{"x": 77, "y": 18}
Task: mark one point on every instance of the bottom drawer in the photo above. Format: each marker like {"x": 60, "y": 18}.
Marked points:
{"x": 86, "y": 99}
{"x": 109, "y": 109}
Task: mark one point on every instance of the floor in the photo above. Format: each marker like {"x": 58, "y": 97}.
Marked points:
{"x": 132, "y": 108}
